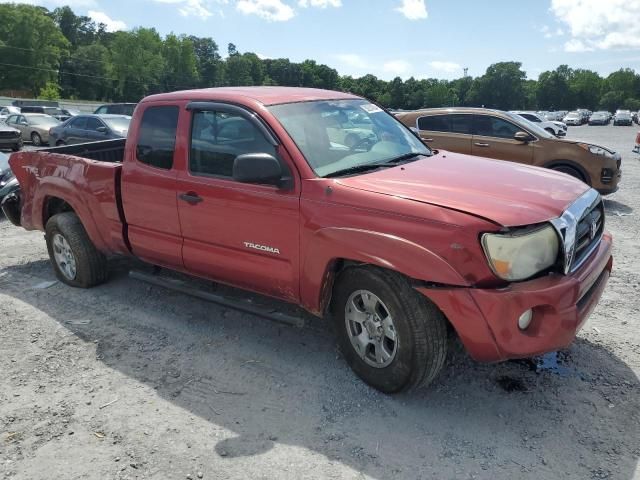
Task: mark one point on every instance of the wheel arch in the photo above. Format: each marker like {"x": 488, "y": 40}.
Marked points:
{"x": 586, "y": 178}
{"x": 333, "y": 250}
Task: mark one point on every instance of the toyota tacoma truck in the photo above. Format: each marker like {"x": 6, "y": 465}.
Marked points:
{"x": 399, "y": 246}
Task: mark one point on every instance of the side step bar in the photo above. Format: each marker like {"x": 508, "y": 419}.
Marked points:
{"x": 243, "y": 306}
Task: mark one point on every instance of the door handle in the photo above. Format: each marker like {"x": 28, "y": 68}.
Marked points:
{"x": 478, "y": 144}
{"x": 428, "y": 139}
{"x": 192, "y": 198}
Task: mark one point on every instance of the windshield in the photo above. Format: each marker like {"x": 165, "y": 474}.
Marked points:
{"x": 43, "y": 121}
{"x": 118, "y": 124}
{"x": 532, "y": 127}
{"x": 335, "y": 135}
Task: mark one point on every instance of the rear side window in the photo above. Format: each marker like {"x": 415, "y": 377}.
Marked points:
{"x": 94, "y": 124}
{"x": 157, "y": 136}
{"x": 79, "y": 123}
{"x": 102, "y": 109}
{"x": 217, "y": 138}
{"x": 434, "y": 123}
{"x": 460, "y": 123}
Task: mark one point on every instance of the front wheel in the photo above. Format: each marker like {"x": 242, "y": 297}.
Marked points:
{"x": 569, "y": 171}
{"x": 75, "y": 259}
{"x": 550, "y": 130}
{"x": 391, "y": 336}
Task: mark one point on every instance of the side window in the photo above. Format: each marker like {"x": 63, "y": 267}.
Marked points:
{"x": 12, "y": 119}
{"x": 434, "y": 123}
{"x": 93, "y": 124}
{"x": 488, "y": 126}
{"x": 101, "y": 110}
{"x": 531, "y": 118}
{"x": 79, "y": 123}
{"x": 157, "y": 136}
{"x": 460, "y": 123}
{"x": 217, "y": 138}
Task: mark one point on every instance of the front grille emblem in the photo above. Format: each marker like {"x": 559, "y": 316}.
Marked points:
{"x": 593, "y": 230}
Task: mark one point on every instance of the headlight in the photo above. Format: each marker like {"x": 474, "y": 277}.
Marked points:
{"x": 596, "y": 150}
{"x": 520, "y": 255}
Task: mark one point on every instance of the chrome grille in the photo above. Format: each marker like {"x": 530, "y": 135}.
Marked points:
{"x": 581, "y": 227}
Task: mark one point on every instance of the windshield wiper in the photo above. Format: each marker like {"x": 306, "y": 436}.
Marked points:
{"x": 356, "y": 169}
{"x": 402, "y": 158}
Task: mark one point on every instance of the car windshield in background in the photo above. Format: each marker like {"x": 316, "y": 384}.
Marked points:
{"x": 337, "y": 135}
{"x": 119, "y": 124}
{"x": 531, "y": 126}
{"x": 44, "y": 121}
{"x": 53, "y": 111}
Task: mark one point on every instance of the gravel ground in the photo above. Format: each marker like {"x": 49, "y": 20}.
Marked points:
{"x": 132, "y": 381}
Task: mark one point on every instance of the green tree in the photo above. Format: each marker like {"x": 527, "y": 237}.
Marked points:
{"x": 51, "y": 91}
{"x": 502, "y": 87}
{"x": 611, "y": 101}
{"x": 180, "y": 71}
{"x": 552, "y": 91}
{"x": 585, "y": 87}
{"x": 78, "y": 30}
{"x": 208, "y": 62}
{"x": 31, "y": 46}
{"x": 138, "y": 63}
{"x": 87, "y": 73}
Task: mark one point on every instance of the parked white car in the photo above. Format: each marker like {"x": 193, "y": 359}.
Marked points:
{"x": 6, "y": 111}
{"x": 558, "y": 129}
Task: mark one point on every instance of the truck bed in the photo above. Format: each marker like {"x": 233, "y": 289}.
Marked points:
{"x": 84, "y": 178}
{"x": 111, "y": 151}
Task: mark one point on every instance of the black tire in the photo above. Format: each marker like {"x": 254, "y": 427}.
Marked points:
{"x": 575, "y": 173}
{"x": 421, "y": 330}
{"x": 550, "y": 130}
{"x": 16, "y": 147}
{"x": 91, "y": 265}
{"x": 36, "y": 139}
{"x": 60, "y": 143}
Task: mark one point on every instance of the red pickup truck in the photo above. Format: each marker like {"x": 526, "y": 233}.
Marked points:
{"x": 325, "y": 200}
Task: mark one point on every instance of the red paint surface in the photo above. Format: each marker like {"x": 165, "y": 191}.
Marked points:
{"x": 423, "y": 219}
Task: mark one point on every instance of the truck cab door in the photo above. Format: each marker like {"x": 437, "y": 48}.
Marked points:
{"x": 149, "y": 187}
{"x": 242, "y": 234}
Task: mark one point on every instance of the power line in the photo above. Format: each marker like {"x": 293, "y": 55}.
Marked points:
{"x": 93, "y": 76}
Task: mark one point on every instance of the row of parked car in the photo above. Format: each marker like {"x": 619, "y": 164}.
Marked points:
{"x": 55, "y": 126}
{"x": 602, "y": 117}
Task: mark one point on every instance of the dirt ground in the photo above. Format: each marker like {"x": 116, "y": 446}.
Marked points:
{"x": 132, "y": 381}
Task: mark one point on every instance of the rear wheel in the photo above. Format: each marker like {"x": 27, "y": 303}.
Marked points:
{"x": 391, "y": 336}
{"x": 75, "y": 259}
{"x": 36, "y": 139}
{"x": 575, "y": 173}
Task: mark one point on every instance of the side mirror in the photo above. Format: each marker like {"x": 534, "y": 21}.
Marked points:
{"x": 101, "y": 129}
{"x": 522, "y": 137}
{"x": 260, "y": 168}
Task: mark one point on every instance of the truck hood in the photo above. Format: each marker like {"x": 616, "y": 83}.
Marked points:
{"x": 505, "y": 193}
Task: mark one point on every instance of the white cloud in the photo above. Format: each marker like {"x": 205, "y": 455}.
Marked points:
{"x": 352, "y": 60}
{"x": 446, "y": 67}
{"x": 320, "y": 3}
{"x": 111, "y": 24}
{"x": 547, "y": 32}
{"x": 397, "y": 68}
{"x": 413, "y": 9}
{"x": 270, "y": 10}
{"x": 599, "y": 24}
{"x": 195, "y": 8}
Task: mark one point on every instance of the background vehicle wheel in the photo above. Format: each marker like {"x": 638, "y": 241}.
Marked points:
{"x": 550, "y": 130}
{"x": 60, "y": 143}
{"x": 75, "y": 259}
{"x": 16, "y": 147}
{"x": 391, "y": 336}
{"x": 36, "y": 139}
{"x": 575, "y": 173}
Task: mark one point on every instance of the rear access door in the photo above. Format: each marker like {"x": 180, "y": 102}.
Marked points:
{"x": 451, "y": 132}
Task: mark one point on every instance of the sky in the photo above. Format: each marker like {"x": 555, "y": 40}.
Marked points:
{"x": 389, "y": 38}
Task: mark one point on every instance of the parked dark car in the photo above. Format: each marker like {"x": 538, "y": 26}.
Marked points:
{"x": 116, "y": 109}
{"x": 622, "y": 118}
{"x": 599, "y": 118}
{"x": 89, "y": 128}
{"x": 55, "y": 112}
{"x": 8, "y": 181}
{"x": 10, "y": 138}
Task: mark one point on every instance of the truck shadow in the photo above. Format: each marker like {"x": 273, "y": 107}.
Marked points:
{"x": 272, "y": 384}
